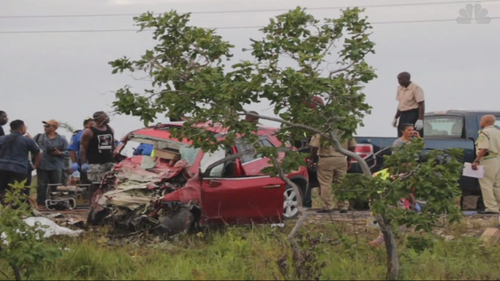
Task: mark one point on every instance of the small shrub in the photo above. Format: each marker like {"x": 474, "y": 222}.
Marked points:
{"x": 22, "y": 247}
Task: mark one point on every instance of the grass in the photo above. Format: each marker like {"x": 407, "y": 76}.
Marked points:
{"x": 262, "y": 252}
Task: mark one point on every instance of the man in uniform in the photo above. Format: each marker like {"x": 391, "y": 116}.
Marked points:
{"x": 487, "y": 150}
{"x": 332, "y": 166}
{"x": 411, "y": 107}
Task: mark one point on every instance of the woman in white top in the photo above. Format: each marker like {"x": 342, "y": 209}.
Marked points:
{"x": 409, "y": 132}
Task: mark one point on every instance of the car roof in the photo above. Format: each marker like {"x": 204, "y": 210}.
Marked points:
{"x": 161, "y": 131}
{"x": 462, "y": 112}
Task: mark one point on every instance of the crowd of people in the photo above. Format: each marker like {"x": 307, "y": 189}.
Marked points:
{"x": 89, "y": 153}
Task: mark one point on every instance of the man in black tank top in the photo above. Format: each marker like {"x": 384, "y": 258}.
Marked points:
{"x": 96, "y": 148}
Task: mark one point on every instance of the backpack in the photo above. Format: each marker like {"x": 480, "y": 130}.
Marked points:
{"x": 36, "y": 139}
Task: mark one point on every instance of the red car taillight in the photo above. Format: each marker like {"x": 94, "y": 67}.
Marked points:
{"x": 363, "y": 150}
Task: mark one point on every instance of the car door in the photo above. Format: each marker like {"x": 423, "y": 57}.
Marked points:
{"x": 241, "y": 199}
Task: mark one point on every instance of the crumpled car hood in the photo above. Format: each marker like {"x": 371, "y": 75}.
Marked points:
{"x": 134, "y": 176}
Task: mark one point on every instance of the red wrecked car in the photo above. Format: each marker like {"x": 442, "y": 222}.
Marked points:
{"x": 180, "y": 187}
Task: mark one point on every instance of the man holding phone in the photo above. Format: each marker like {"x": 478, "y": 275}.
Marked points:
{"x": 55, "y": 149}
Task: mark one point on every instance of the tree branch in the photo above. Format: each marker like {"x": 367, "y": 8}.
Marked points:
{"x": 336, "y": 143}
{"x": 303, "y": 214}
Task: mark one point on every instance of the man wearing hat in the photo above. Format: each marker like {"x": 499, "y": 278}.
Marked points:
{"x": 96, "y": 148}
{"x": 55, "y": 149}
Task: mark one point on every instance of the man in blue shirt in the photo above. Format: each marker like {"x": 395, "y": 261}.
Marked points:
{"x": 74, "y": 145}
{"x": 74, "y": 149}
{"x": 14, "y": 153}
{"x": 144, "y": 149}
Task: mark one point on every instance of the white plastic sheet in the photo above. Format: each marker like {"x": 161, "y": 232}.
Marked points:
{"x": 51, "y": 230}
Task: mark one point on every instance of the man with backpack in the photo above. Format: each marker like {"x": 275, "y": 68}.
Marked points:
{"x": 55, "y": 149}
{"x": 14, "y": 154}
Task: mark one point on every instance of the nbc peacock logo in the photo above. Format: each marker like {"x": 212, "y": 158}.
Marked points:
{"x": 473, "y": 13}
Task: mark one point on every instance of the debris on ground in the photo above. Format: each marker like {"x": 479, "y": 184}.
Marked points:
{"x": 49, "y": 227}
{"x": 72, "y": 218}
{"x": 280, "y": 225}
{"x": 53, "y": 228}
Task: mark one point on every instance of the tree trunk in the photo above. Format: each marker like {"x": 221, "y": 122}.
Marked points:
{"x": 297, "y": 255}
{"x": 385, "y": 226}
{"x": 390, "y": 247}
{"x": 17, "y": 272}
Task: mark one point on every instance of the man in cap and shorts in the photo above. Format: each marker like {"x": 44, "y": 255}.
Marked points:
{"x": 96, "y": 148}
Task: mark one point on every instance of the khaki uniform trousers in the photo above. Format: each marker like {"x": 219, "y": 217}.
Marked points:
{"x": 490, "y": 183}
{"x": 331, "y": 169}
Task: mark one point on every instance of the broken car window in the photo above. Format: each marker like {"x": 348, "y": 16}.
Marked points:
{"x": 189, "y": 154}
{"x": 250, "y": 155}
{"x": 210, "y": 158}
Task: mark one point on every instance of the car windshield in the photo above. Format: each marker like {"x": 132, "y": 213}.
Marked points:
{"x": 189, "y": 154}
{"x": 144, "y": 147}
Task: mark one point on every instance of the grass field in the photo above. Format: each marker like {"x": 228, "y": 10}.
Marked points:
{"x": 335, "y": 251}
{"x": 262, "y": 252}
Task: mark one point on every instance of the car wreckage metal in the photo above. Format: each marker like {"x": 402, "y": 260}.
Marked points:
{"x": 182, "y": 187}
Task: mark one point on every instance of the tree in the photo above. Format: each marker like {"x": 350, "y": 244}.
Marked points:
{"x": 433, "y": 176}
{"x": 21, "y": 245}
{"x": 189, "y": 79}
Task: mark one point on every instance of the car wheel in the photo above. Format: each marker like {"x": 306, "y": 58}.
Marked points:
{"x": 290, "y": 209}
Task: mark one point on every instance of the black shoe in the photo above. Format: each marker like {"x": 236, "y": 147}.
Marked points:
{"x": 487, "y": 213}
{"x": 324, "y": 211}
{"x": 344, "y": 211}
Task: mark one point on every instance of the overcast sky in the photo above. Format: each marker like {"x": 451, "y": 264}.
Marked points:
{"x": 66, "y": 76}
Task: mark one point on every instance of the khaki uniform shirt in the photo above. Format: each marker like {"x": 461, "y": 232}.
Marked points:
{"x": 329, "y": 150}
{"x": 489, "y": 138}
{"x": 409, "y": 98}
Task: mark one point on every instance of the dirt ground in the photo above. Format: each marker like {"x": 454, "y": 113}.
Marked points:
{"x": 354, "y": 223}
